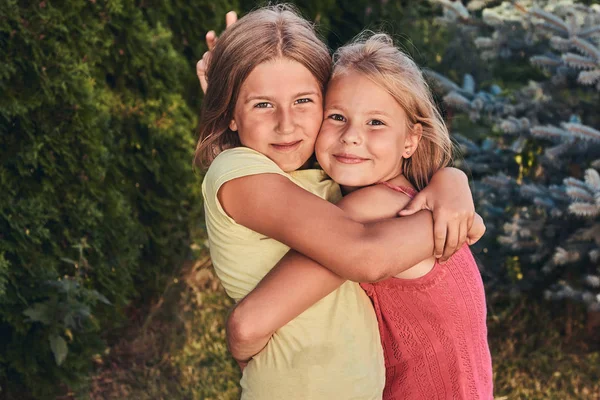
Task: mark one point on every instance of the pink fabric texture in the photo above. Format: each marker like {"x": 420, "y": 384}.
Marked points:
{"x": 433, "y": 332}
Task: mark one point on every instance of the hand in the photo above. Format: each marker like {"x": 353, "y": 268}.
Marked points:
{"x": 477, "y": 230}
{"x": 211, "y": 39}
{"x": 448, "y": 196}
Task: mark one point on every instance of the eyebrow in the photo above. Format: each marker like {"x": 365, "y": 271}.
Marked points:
{"x": 375, "y": 112}
{"x": 269, "y": 98}
{"x": 335, "y": 107}
{"x": 370, "y": 112}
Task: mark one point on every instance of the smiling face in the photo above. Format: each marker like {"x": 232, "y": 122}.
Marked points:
{"x": 279, "y": 111}
{"x": 364, "y": 136}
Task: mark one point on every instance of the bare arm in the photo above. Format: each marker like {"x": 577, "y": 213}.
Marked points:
{"x": 362, "y": 252}
{"x": 297, "y": 282}
{"x": 449, "y": 197}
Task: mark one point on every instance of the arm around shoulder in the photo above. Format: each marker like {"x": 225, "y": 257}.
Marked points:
{"x": 353, "y": 250}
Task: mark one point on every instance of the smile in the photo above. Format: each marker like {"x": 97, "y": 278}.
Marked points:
{"x": 285, "y": 147}
{"x": 349, "y": 158}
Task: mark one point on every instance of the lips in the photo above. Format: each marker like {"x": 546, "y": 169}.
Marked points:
{"x": 288, "y": 146}
{"x": 347, "y": 158}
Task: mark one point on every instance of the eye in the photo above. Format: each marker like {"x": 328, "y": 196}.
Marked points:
{"x": 263, "y": 105}
{"x": 303, "y": 101}
{"x": 375, "y": 122}
{"x": 337, "y": 117}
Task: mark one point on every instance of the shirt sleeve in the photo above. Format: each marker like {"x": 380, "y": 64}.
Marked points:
{"x": 232, "y": 164}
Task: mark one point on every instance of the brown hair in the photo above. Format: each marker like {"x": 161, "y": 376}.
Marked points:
{"x": 260, "y": 36}
{"x": 376, "y": 57}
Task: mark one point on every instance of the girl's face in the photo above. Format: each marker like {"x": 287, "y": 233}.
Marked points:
{"x": 278, "y": 112}
{"x": 364, "y": 135}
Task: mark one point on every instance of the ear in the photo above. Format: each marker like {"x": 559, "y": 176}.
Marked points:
{"x": 233, "y": 125}
{"x": 412, "y": 140}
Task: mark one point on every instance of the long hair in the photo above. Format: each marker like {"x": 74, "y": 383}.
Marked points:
{"x": 260, "y": 36}
{"x": 376, "y": 57}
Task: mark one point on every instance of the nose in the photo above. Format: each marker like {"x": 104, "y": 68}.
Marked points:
{"x": 285, "y": 121}
{"x": 351, "y": 135}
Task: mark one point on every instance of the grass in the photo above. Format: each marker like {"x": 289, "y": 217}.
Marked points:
{"x": 177, "y": 350}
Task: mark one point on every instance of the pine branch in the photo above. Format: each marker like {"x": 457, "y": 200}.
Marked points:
{"x": 579, "y": 194}
{"x": 554, "y": 152}
{"x": 551, "y": 132}
{"x": 441, "y": 81}
{"x": 572, "y": 182}
{"x": 532, "y": 190}
{"x": 592, "y": 179}
{"x": 545, "y": 62}
{"x": 591, "y": 31}
{"x": 513, "y": 125}
{"x": 456, "y": 9}
{"x": 581, "y": 62}
{"x": 551, "y": 19}
{"x": 457, "y": 101}
{"x": 560, "y": 44}
{"x": 592, "y": 281}
{"x": 468, "y": 83}
{"x": 586, "y": 47}
{"x": 582, "y": 131}
{"x": 588, "y": 77}
{"x": 562, "y": 256}
{"x": 584, "y": 209}
{"x": 499, "y": 181}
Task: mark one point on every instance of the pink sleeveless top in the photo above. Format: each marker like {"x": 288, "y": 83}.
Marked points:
{"x": 433, "y": 331}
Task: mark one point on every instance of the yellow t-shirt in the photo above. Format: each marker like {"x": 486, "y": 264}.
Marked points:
{"x": 333, "y": 349}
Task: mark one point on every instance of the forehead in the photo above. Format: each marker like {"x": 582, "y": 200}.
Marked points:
{"x": 279, "y": 76}
{"x": 355, "y": 92}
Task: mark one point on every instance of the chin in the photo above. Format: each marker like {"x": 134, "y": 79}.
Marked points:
{"x": 351, "y": 181}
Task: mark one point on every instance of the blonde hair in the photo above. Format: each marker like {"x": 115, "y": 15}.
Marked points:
{"x": 260, "y": 36}
{"x": 376, "y": 57}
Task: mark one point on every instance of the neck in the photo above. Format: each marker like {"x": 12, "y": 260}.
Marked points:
{"x": 397, "y": 180}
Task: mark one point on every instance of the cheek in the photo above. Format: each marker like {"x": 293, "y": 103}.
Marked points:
{"x": 312, "y": 122}
{"x": 326, "y": 138}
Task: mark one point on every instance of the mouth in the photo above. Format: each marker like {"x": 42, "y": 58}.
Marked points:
{"x": 285, "y": 147}
{"x": 346, "y": 158}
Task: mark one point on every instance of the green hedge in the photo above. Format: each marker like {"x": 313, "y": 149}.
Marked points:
{"x": 98, "y": 104}
{"x": 98, "y": 109}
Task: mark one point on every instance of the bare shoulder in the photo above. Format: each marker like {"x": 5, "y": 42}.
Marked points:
{"x": 373, "y": 203}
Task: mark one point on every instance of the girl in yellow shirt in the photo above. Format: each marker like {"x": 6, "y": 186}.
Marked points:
{"x": 260, "y": 119}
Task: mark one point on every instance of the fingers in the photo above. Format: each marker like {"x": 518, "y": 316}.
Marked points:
{"x": 462, "y": 235}
{"x": 211, "y": 36}
{"x": 410, "y": 209}
{"x": 439, "y": 238}
{"x": 415, "y": 205}
{"x": 477, "y": 230}
{"x": 211, "y": 40}
{"x": 230, "y": 18}
{"x": 470, "y": 221}
{"x": 451, "y": 241}
{"x": 201, "y": 67}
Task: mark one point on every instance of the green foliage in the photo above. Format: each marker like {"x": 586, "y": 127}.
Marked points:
{"x": 537, "y": 177}
{"x": 181, "y": 354}
{"x": 97, "y": 119}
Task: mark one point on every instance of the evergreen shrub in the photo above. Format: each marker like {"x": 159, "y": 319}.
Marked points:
{"x": 536, "y": 174}
{"x": 98, "y": 103}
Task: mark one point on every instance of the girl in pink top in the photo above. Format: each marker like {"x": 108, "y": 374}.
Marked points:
{"x": 433, "y": 330}
{"x": 382, "y": 139}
